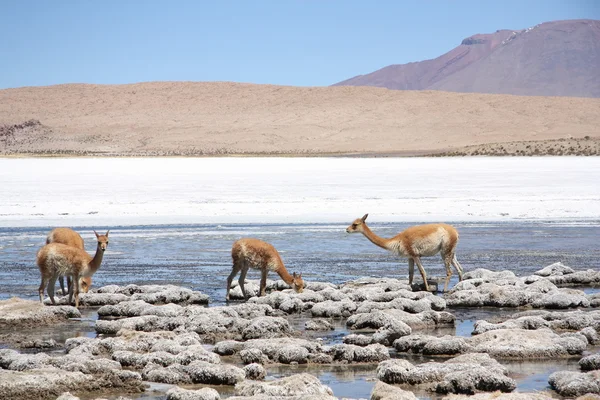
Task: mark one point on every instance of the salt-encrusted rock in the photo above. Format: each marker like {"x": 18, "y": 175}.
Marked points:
{"x": 463, "y": 374}
{"x": 252, "y": 289}
{"x": 255, "y": 372}
{"x": 268, "y": 350}
{"x": 253, "y": 356}
{"x": 556, "y": 269}
{"x": 520, "y": 343}
{"x": 173, "y": 374}
{"x": 334, "y": 294}
{"x": 358, "y": 340}
{"x": 228, "y": 347}
{"x": 383, "y": 391}
{"x": 561, "y": 299}
{"x": 21, "y": 313}
{"x": 501, "y": 396}
{"x": 49, "y": 383}
{"x": 251, "y": 310}
{"x": 196, "y": 353}
{"x": 293, "y": 305}
{"x": 588, "y": 277}
{"x": 319, "y": 286}
{"x": 590, "y": 362}
{"x": 363, "y": 288}
{"x": 67, "y": 396}
{"x": 474, "y": 380}
{"x": 214, "y": 374}
{"x": 352, "y": 353}
{"x": 485, "y": 274}
{"x": 477, "y": 290}
{"x": 527, "y": 322}
{"x": 146, "y": 323}
{"x": 423, "y": 320}
{"x": 292, "y": 354}
{"x": 267, "y": 327}
{"x": 22, "y": 362}
{"x": 566, "y": 320}
{"x": 137, "y": 308}
{"x": 573, "y": 384}
{"x": 139, "y": 361}
{"x": 87, "y": 366}
{"x": 388, "y": 327}
{"x": 296, "y": 385}
{"x": 333, "y": 309}
{"x": 431, "y": 345}
{"x": 318, "y": 324}
{"x": 178, "y": 393}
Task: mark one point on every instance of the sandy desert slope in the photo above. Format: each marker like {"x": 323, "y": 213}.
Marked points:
{"x": 196, "y": 118}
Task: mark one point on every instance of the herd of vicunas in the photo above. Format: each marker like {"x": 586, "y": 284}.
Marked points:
{"x": 64, "y": 255}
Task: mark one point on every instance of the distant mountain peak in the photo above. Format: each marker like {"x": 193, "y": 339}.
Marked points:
{"x": 556, "y": 58}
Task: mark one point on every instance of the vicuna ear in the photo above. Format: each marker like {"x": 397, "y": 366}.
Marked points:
{"x": 294, "y": 275}
{"x": 96, "y": 234}
{"x": 300, "y": 276}
{"x": 364, "y": 218}
{"x": 107, "y": 232}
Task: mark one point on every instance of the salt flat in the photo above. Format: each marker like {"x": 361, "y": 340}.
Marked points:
{"x": 127, "y": 191}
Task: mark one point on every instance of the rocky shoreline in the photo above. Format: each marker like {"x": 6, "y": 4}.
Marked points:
{"x": 170, "y": 335}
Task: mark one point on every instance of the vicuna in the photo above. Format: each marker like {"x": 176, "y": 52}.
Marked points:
{"x": 57, "y": 259}
{"x": 416, "y": 242}
{"x": 254, "y": 253}
{"x": 71, "y": 238}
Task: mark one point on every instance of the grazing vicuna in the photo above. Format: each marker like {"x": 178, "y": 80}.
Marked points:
{"x": 57, "y": 259}
{"x": 71, "y": 238}
{"x": 416, "y": 242}
{"x": 254, "y": 253}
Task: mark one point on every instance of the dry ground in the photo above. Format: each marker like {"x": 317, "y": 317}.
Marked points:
{"x": 208, "y": 118}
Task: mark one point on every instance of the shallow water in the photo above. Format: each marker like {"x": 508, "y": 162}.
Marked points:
{"x": 198, "y": 257}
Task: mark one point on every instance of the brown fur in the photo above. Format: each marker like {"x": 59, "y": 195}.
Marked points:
{"x": 254, "y": 253}
{"x": 71, "y": 238}
{"x": 57, "y": 259}
{"x": 416, "y": 242}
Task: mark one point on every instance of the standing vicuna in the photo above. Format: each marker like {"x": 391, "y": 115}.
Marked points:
{"x": 71, "y": 238}
{"x": 416, "y": 242}
{"x": 57, "y": 259}
{"x": 254, "y": 253}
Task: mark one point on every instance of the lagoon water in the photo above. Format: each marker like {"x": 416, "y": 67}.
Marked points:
{"x": 173, "y": 221}
{"x": 198, "y": 256}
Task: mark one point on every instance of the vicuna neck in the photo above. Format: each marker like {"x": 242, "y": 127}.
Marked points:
{"x": 285, "y": 275}
{"x": 97, "y": 260}
{"x": 377, "y": 240}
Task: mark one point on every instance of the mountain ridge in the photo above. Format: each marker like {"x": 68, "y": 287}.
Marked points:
{"x": 557, "y": 58}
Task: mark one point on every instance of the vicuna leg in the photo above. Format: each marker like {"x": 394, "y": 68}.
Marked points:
{"x": 50, "y": 287}
{"x": 242, "y": 280}
{"x": 61, "y": 281}
{"x": 422, "y": 270}
{"x": 237, "y": 266}
{"x": 458, "y": 267}
{"x": 42, "y": 288}
{"x": 411, "y": 270}
{"x": 263, "y": 282}
{"x": 447, "y": 258}
{"x": 75, "y": 288}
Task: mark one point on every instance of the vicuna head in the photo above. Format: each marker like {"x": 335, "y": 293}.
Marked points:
{"x": 102, "y": 240}
{"x": 297, "y": 283}
{"x": 357, "y": 225}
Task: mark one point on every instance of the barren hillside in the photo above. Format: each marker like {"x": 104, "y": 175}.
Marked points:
{"x": 195, "y": 118}
{"x": 558, "y": 58}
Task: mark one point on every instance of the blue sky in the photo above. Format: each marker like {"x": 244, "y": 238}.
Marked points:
{"x": 302, "y": 43}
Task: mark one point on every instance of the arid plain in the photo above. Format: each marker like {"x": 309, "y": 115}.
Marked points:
{"x": 221, "y": 118}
